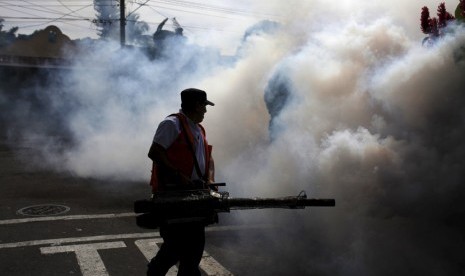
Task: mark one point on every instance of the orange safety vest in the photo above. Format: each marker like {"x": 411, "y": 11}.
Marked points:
{"x": 180, "y": 155}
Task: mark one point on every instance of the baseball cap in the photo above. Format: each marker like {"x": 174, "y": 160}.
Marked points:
{"x": 194, "y": 95}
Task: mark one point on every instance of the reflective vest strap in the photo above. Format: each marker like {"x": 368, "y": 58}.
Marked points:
{"x": 207, "y": 148}
{"x": 185, "y": 126}
{"x": 208, "y": 153}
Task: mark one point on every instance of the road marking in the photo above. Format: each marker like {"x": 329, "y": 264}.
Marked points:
{"x": 87, "y": 256}
{"x": 148, "y": 247}
{"x": 121, "y": 236}
{"x": 76, "y": 240}
{"x": 212, "y": 267}
{"x": 91, "y": 264}
{"x": 208, "y": 264}
{"x": 72, "y": 217}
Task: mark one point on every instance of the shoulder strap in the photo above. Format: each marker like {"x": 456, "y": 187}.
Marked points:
{"x": 184, "y": 126}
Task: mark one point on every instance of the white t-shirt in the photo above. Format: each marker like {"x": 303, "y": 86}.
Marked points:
{"x": 167, "y": 132}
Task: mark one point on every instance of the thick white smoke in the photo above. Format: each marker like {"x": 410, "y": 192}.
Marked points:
{"x": 341, "y": 101}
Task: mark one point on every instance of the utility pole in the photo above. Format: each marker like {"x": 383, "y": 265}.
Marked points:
{"x": 122, "y": 23}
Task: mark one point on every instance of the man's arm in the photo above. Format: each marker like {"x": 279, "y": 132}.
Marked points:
{"x": 157, "y": 154}
{"x": 164, "y": 136}
{"x": 211, "y": 171}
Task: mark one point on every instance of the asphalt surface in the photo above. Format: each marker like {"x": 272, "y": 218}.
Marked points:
{"x": 86, "y": 227}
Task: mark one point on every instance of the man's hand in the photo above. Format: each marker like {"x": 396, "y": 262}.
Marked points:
{"x": 184, "y": 180}
{"x": 199, "y": 184}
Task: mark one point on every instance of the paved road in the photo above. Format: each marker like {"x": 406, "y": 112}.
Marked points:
{"x": 57, "y": 224}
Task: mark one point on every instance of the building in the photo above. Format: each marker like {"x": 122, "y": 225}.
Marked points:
{"x": 48, "y": 48}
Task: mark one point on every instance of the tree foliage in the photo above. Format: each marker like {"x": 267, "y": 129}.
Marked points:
{"x": 435, "y": 26}
{"x": 7, "y": 37}
{"x": 107, "y": 18}
{"x": 460, "y": 11}
{"x": 108, "y": 22}
{"x": 135, "y": 29}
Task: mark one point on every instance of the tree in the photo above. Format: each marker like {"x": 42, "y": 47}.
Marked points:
{"x": 108, "y": 22}
{"x": 460, "y": 11}
{"x": 434, "y": 27}
{"x": 7, "y": 37}
{"x": 135, "y": 29}
{"x": 107, "y": 18}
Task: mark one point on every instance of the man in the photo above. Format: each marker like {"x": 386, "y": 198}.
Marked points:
{"x": 181, "y": 161}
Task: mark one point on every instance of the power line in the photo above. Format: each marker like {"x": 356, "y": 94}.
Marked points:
{"x": 45, "y": 18}
{"x": 197, "y": 8}
{"x": 175, "y": 5}
{"x": 65, "y": 6}
{"x": 157, "y": 11}
{"x": 40, "y": 9}
{"x": 193, "y": 12}
{"x": 47, "y": 9}
{"x": 140, "y": 6}
{"x": 44, "y": 5}
{"x": 20, "y": 11}
{"x": 215, "y": 8}
{"x": 56, "y": 19}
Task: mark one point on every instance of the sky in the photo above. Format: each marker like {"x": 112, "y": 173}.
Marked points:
{"x": 200, "y": 19}
{"x": 340, "y": 99}
{"x": 210, "y": 23}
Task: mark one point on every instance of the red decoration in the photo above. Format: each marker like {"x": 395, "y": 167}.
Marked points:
{"x": 425, "y": 24}
{"x": 433, "y": 26}
{"x": 443, "y": 15}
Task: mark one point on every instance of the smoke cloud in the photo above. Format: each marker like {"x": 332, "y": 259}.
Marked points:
{"x": 340, "y": 100}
